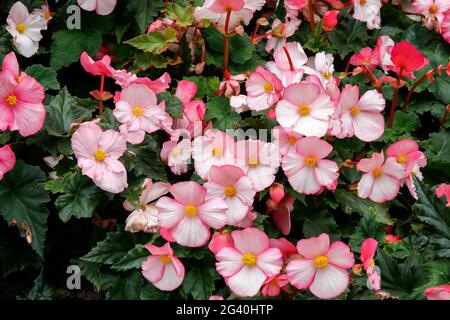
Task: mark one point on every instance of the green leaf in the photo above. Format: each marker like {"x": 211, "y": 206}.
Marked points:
{"x": 318, "y": 41}
{"x": 144, "y": 12}
{"x": 22, "y": 199}
{"x": 45, "y": 76}
{"x": 219, "y": 111}
{"x": 133, "y": 259}
{"x": 438, "y": 151}
{"x": 91, "y": 271}
{"x": 405, "y": 121}
{"x": 367, "y": 227}
{"x": 441, "y": 89}
{"x": 173, "y": 105}
{"x": 63, "y": 111}
{"x": 240, "y": 49}
{"x": 350, "y": 203}
{"x": 123, "y": 286}
{"x": 79, "y": 198}
{"x": 184, "y": 16}
{"x": 69, "y": 44}
{"x": 149, "y": 292}
{"x": 431, "y": 211}
{"x": 41, "y": 290}
{"x": 199, "y": 281}
{"x": 318, "y": 223}
{"x": 154, "y": 42}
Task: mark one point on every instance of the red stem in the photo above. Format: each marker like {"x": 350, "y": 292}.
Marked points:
{"x": 311, "y": 15}
{"x": 226, "y": 43}
{"x": 291, "y": 64}
{"x": 252, "y": 38}
{"x": 102, "y": 87}
{"x": 394, "y": 101}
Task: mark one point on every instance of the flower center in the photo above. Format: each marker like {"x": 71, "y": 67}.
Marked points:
{"x": 328, "y": 75}
{"x": 321, "y": 262}
{"x": 372, "y": 263}
{"x": 47, "y": 15}
{"x": 175, "y": 152}
{"x": 21, "y": 27}
{"x": 362, "y": 2}
{"x": 292, "y": 140}
{"x": 19, "y": 78}
{"x": 217, "y": 152}
{"x": 230, "y": 191}
{"x": 253, "y": 162}
{"x": 11, "y": 100}
{"x": 377, "y": 172}
{"x": 138, "y": 111}
{"x": 278, "y": 31}
{"x": 433, "y": 9}
{"x": 268, "y": 87}
{"x": 190, "y": 210}
{"x": 166, "y": 259}
{"x": 304, "y": 110}
{"x": 311, "y": 162}
{"x": 354, "y": 111}
{"x": 401, "y": 158}
{"x": 249, "y": 259}
{"x": 100, "y": 155}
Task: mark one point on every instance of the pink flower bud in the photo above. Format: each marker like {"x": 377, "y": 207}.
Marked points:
{"x": 330, "y": 20}
{"x": 277, "y": 193}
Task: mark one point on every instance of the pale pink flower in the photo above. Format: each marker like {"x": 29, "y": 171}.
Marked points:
{"x": 44, "y": 12}
{"x": 288, "y": 64}
{"x": 232, "y": 185}
{"x": 213, "y": 148}
{"x": 263, "y": 89}
{"x": 98, "y": 156}
{"x": 21, "y": 102}
{"x": 281, "y": 31}
{"x": 444, "y": 190}
{"x": 285, "y": 139}
{"x": 366, "y": 57}
{"x": 381, "y": 181}
{"x": 163, "y": 269}
{"x": 189, "y": 215}
{"x": 259, "y": 160}
{"x": 220, "y": 240}
{"x": 144, "y": 218}
{"x": 368, "y": 250}
{"x": 293, "y": 7}
{"x": 322, "y": 267}
{"x": 445, "y": 27}
{"x": 7, "y": 160}
{"x": 25, "y": 29}
{"x": 97, "y": 68}
{"x": 307, "y": 170}
{"x": 441, "y": 292}
{"x": 101, "y": 7}
{"x": 273, "y": 285}
{"x": 305, "y": 109}
{"x": 159, "y": 85}
{"x": 231, "y": 86}
{"x": 368, "y": 11}
{"x": 11, "y": 65}
{"x": 322, "y": 67}
{"x": 176, "y": 154}
{"x": 248, "y": 264}
{"x": 139, "y": 112}
{"x": 361, "y": 116}
{"x": 433, "y": 11}
{"x": 384, "y": 47}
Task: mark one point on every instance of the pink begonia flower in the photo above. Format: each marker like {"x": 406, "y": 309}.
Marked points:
{"x": 213, "y": 148}
{"x": 305, "y": 109}
{"x": 285, "y": 139}
{"x": 144, "y": 218}
{"x": 231, "y": 86}
{"x": 248, "y": 264}
{"x": 445, "y": 27}
{"x": 189, "y": 215}
{"x": 232, "y": 185}
{"x": 7, "y": 160}
{"x": 383, "y": 48}
{"x": 241, "y": 11}
{"x": 281, "y": 31}
{"x": 361, "y": 116}
{"x": 390, "y": 238}
{"x": 21, "y": 103}
{"x": 444, "y": 190}
{"x": 368, "y": 11}
{"x": 216, "y": 298}
{"x": 288, "y": 64}
{"x": 322, "y": 267}
{"x": 139, "y": 113}
{"x": 282, "y": 213}
{"x": 44, "y": 12}
{"x": 239, "y": 103}
{"x": 259, "y": 160}
{"x": 406, "y": 59}
{"x": 441, "y": 292}
{"x": 307, "y": 170}
{"x": 406, "y": 152}
{"x": 163, "y": 269}
{"x": 322, "y": 67}
{"x": 366, "y": 57}
{"x": 330, "y": 20}
{"x": 11, "y": 65}
{"x": 248, "y": 220}
{"x": 25, "y": 29}
{"x": 220, "y": 240}
{"x": 432, "y": 10}
{"x": 272, "y": 286}
{"x": 177, "y": 154}
{"x": 293, "y": 7}
{"x": 263, "y": 89}
{"x": 368, "y": 250}
{"x": 276, "y": 193}
{"x": 98, "y": 156}
{"x": 124, "y": 79}
{"x": 381, "y": 181}
{"x": 97, "y": 68}
{"x": 101, "y": 7}
{"x": 287, "y": 248}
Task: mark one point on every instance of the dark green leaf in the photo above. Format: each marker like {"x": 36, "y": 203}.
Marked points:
{"x": 45, "y": 76}
{"x": 133, "y": 259}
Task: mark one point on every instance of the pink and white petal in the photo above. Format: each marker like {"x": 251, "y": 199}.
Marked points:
{"x": 170, "y": 212}
{"x": 301, "y": 273}
{"x": 329, "y": 282}
{"x": 326, "y": 172}
{"x": 322, "y": 108}
{"x": 393, "y": 169}
{"x": 245, "y": 190}
{"x": 313, "y": 146}
{"x": 262, "y": 176}
{"x": 250, "y": 240}
{"x": 213, "y": 212}
{"x": 286, "y": 113}
{"x": 368, "y": 126}
{"x": 114, "y": 182}
{"x": 170, "y": 280}
{"x": 113, "y": 143}
{"x": 229, "y": 262}
{"x": 270, "y": 261}
{"x": 292, "y": 163}
{"x": 314, "y": 246}
{"x": 305, "y": 181}
{"x": 190, "y": 232}
{"x": 85, "y": 141}
{"x": 247, "y": 282}
{"x": 236, "y": 210}
{"x": 372, "y": 101}
{"x": 384, "y": 188}
{"x": 188, "y": 193}
{"x": 28, "y": 118}
{"x": 153, "y": 268}
{"x": 139, "y": 95}
{"x": 225, "y": 175}
{"x": 349, "y": 97}
{"x": 165, "y": 249}
{"x": 310, "y": 126}
{"x": 365, "y": 186}
{"x": 105, "y": 7}
{"x": 154, "y": 191}
{"x": 339, "y": 254}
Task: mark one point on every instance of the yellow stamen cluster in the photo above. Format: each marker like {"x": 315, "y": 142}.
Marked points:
{"x": 304, "y": 109}
{"x": 354, "y": 111}
{"x": 249, "y": 259}
{"x": 320, "y": 262}
{"x": 100, "y": 155}
{"x": 190, "y": 210}
{"x": 230, "y": 191}
{"x": 11, "y": 100}
{"x": 138, "y": 111}
{"x": 21, "y": 27}
{"x": 311, "y": 162}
